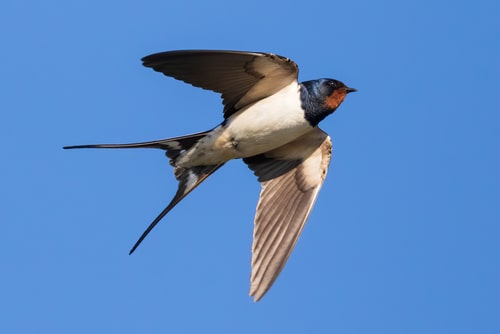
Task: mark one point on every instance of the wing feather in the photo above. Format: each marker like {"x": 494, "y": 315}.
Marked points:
{"x": 241, "y": 77}
{"x": 288, "y": 193}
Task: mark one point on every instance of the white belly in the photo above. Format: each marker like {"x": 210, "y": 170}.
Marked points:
{"x": 261, "y": 127}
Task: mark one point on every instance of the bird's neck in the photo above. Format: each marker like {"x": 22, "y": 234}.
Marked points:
{"x": 315, "y": 110}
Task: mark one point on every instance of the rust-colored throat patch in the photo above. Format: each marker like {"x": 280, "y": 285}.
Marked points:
{"x": 336, "y": 98}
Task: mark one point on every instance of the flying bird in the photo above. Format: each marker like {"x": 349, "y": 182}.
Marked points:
{"x": 271, "y": 122}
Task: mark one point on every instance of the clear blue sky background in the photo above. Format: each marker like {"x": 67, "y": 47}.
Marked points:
{"x": 405, "y": 234}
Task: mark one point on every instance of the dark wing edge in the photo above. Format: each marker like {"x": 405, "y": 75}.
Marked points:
{"x": 286, "y": 200}
{"x": 241, "y": 77}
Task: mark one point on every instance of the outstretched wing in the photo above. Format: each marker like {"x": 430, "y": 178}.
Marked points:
{"x": 291, "y": 178}
{"x": 241, "y": 77}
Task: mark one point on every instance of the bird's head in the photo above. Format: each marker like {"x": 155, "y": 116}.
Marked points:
{"x": 322, "y": 97}
{"x": 332, "y": 92}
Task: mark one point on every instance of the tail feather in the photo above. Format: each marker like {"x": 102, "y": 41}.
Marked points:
{"x": 173, "y": 146}
{"x": 188, "y": 178}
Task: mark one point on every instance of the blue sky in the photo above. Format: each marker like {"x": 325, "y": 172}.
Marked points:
{"x": 404, "y": 237}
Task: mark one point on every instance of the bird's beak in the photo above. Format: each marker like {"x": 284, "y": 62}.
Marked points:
{"x": 350, "y": 90}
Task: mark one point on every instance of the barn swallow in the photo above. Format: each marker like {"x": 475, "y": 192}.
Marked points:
{"x": 271, "y": 122}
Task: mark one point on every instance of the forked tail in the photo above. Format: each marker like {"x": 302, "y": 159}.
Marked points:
{"x": 188, "y": 178}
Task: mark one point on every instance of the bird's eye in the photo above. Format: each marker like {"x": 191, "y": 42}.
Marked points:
{"x": 328, "y": 87}
{"x": 332, "y": 83}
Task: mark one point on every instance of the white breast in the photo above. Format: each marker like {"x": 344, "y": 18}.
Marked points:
{"x": 261, "y": 127}
{"x": 270, "y": 122}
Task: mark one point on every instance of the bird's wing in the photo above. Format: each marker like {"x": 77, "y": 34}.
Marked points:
{"x": 291, "y": 177}
{"x": 241, "y": 77}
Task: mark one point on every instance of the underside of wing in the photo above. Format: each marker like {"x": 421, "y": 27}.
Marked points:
{"x": 291, "y": 178}
{"x": 241, "y": 77}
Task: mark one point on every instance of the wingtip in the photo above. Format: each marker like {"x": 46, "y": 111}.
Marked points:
{"x": 256, "y": 293}
{"x": 256, "y": 298}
